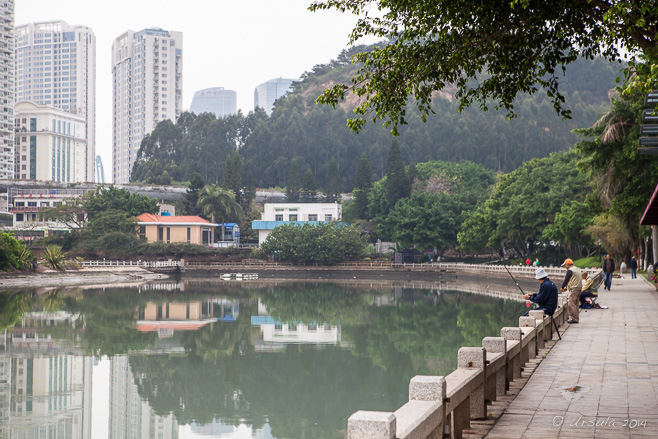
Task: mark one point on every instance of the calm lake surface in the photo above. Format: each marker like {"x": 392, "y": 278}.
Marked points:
{"x": 250, "y": 359}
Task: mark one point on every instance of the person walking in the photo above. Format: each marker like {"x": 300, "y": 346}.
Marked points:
{"x": 633, "y": 266}
{"x": 608, "y": 269}
{"x": 573, "y": 283}
{"x": 546, "y": 298}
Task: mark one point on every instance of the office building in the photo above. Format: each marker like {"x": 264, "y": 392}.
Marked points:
{"x": 7, "y": 89}
{"x": 268, "y": 92}
{"x": 216, "y": 100}
{"x": 147, "y": 88}
{"x": 56, "y": 67}
{"x": 50, "y": 144}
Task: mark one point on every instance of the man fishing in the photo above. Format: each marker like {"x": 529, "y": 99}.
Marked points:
{"x": 546, "y": 298}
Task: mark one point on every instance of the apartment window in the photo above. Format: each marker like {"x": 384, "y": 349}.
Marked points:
{"x": 23, "y": 167}
{"x": 189, "y": 234}
{"x": 278, "y": 217}
{"x": 312, "y": 217}
{"x": 327, "y": 217}
{"x": 292, "y": 217}
{"x": 19, "y": 217}
{"x": 168, "y": 234}
{"x": 142, "y": 231}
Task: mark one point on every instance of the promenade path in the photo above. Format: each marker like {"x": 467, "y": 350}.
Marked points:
{"x": 600, "y": 380}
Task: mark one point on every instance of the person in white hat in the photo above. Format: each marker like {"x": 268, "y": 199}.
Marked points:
{"x": 546, "y": 298}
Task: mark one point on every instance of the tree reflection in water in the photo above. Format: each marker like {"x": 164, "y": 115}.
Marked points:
{"x": 226, "y": 371}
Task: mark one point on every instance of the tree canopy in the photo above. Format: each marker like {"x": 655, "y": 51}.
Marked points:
{"x": 496, "y": 51}
{"x": 524, "y": 203}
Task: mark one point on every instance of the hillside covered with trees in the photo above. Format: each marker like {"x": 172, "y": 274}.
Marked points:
{"x": 315, "y": 134}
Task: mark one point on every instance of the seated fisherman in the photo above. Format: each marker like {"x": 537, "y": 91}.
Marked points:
{"x": 589, "y": 289}
{"x": 546, "y": 298}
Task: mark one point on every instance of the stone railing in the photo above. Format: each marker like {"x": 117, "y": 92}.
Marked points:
{"x": 443, "y": 406}
{"x": 143, "y": 264}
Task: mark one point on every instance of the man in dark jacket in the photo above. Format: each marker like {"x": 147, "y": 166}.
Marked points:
{"x": 633, "y": 266}
{"x": 546, "y": 298}
{"x": 608, "y": 269}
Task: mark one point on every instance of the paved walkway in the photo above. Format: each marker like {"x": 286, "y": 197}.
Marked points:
{"x": 601, "y": 379}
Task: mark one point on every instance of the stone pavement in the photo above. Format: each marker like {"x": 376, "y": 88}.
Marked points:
{"x": 601, "y": 379}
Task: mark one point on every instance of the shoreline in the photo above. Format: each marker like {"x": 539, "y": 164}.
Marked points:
{"x": 97, "y": 275}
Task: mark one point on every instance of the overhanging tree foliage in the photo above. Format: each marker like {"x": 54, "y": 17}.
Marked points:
{"x": 496, "y": 50}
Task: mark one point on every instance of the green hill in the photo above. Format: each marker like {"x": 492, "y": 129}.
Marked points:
{"x": 314, "y": 134}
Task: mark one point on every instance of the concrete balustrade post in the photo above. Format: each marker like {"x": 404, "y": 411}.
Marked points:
{"x": 371, "y": 425}
{"x": 430, "y": 388}
{"x": 461, "y": 418}
{"x": 469, "y": 358}
{"x": 496, "y": 345}
{"x": 530, "y": 350}
{"x": 514, "y": 363}
{"x": 539, "y": 318}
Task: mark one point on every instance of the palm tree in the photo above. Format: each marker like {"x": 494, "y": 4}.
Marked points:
{"x": 219, "y": 204}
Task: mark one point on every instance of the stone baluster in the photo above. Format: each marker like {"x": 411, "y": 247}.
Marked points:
{"x": 514, "y": 363}
{"x": 541, "y": 328}
{"x": 496, "y": 345}
{"x": 530, "y": 350}
{"x": 371, "y": 425}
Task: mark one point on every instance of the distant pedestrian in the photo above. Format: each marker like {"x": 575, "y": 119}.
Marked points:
{"x": 536, "y": 263}
{"x": 608, "y": 269}
{"x": 573, "y": 283}
{"x": 633, "y": 265}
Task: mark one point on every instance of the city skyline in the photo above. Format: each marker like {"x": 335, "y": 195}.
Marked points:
{"x": 257, "y": 41}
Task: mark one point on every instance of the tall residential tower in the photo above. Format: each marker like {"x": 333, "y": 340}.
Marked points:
{"x": 56, "y": 67}
{"x": 147, "y": 86}
{"x": 7, "y": 89}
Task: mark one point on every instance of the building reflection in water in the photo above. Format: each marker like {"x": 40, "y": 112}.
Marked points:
{"x": 131, "y": 417}
{"x": 45, "y": 380}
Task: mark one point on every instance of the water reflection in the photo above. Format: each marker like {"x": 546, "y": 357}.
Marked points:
{"x": 229, "y": 360}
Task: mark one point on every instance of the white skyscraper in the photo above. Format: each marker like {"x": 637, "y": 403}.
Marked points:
{"x": 268, "y": 92}
{"x": 215, "y": 100}
{"x": 7, "y": 89}
{"x": 147, "y": 72}
{"x": 56, "y": 66}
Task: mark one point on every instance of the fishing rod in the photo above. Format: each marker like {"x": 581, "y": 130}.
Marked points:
{"x": 523, "y": 292}
{"x": 517, "y": 284}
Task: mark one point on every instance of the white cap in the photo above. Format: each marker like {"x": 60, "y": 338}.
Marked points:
{"x": 540, "y": 273}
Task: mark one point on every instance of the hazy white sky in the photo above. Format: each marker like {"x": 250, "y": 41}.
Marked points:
{"x": 234, "y": 44}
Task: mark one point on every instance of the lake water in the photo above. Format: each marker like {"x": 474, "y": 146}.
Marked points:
{"x": 238, "y": 360}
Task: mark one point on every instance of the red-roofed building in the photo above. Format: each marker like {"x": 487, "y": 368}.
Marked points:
{"x": 190, "y": 229}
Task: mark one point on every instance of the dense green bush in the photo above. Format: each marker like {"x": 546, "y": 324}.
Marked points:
{"x": 321, "y": 244}
{"x": 10, "y": 253}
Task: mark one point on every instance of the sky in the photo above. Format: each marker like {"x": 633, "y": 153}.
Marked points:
{"x": 235, "y": 44}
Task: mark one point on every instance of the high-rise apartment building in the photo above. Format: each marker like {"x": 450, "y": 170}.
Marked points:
{"x": 7, "y": 89}
{"x": 147, "y": 87}
{"x": 268, "y": 92}
{"x": 56, "y": 67}
{"x": 215, "y": 100}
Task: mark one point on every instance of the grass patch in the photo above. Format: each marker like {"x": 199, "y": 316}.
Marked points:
{"x": 592, "y": 261}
